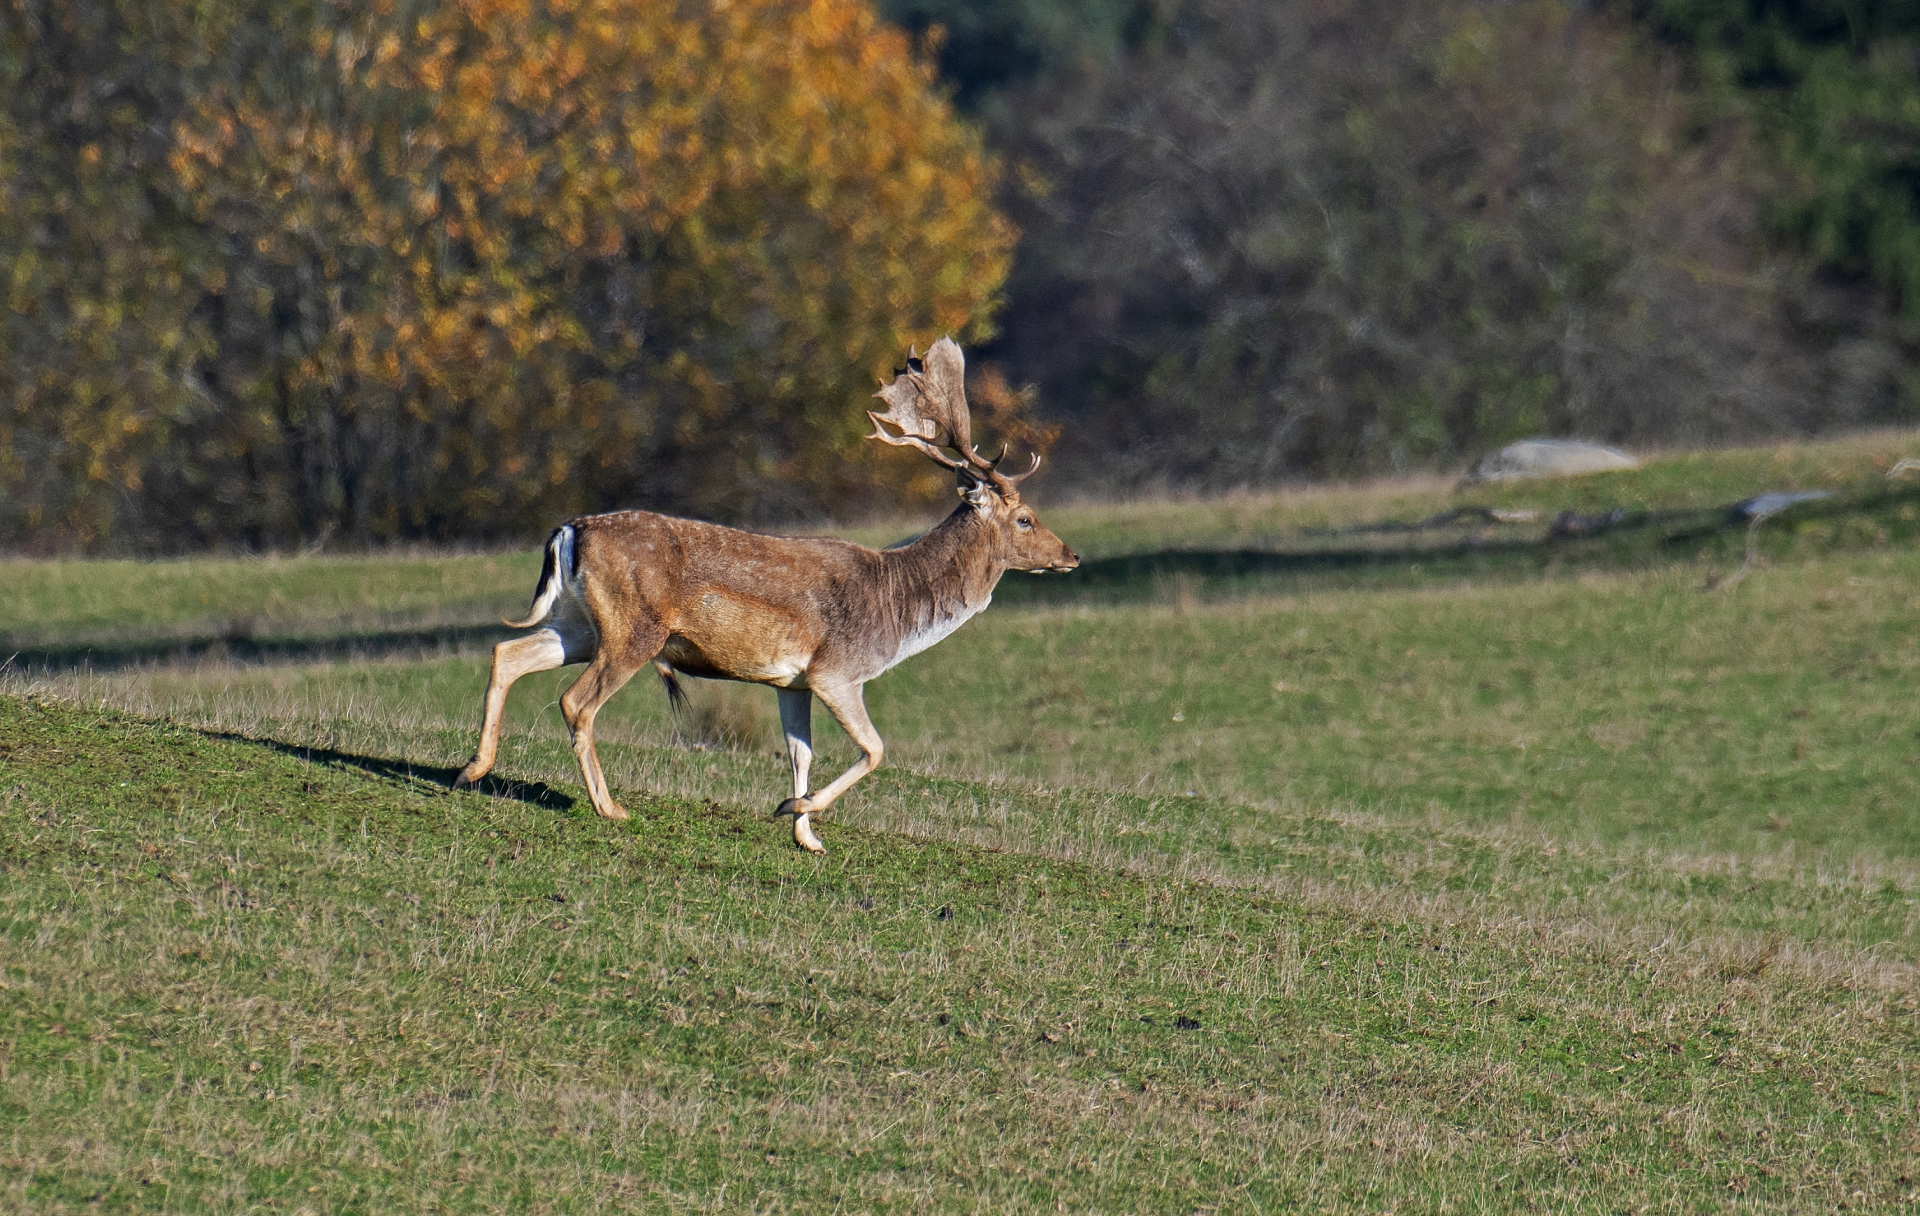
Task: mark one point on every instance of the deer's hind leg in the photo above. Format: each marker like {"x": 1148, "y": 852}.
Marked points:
{"x": 611, "y": 668}
{"x": 513, "y": 658}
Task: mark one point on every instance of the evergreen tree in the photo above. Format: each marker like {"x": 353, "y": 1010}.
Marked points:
{"x": 1837, "y": 85}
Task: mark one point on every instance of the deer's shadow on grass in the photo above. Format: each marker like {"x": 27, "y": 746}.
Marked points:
{"x": 535, "y": 793}
{"x": 239, "y": 647}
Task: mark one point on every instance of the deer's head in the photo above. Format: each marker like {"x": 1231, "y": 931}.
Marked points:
{"x": 927, "y": 403}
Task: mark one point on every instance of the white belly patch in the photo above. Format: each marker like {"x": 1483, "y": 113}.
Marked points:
{"x": 787, "y": 673}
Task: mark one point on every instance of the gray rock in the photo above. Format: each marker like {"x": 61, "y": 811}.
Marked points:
{"x": 1551, "y": 458}
{"x": 1772, "y": 503}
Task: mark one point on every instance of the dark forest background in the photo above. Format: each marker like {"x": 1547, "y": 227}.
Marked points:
{"x": 1264, "y": 240}
{"x": 451, "y": 269}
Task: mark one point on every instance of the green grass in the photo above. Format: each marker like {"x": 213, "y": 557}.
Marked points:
{"x": 1684, "y": 492}
{"x": 237, "y": 977}
{"x": 1498, "y": 873}
{"x": 1622, "y": 709}
{"x": 59, "y": 612}
{"x": 69, "y": 607}
{"x": 1734, "y": 773}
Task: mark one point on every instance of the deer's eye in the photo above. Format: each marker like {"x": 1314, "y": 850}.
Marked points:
{"x": 1024, "y": 524}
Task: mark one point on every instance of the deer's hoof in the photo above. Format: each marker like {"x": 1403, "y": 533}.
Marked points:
{"x": 612, "y": 811}
{"x": 804, "y": 837}
{"x": 468, "y": 776}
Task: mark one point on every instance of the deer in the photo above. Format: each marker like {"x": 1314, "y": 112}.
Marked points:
{"x": 810, "y": 616}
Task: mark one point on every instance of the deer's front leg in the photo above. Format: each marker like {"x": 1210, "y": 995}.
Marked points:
{"x": 849, "y": 708}
{"x": 796, "y": 720}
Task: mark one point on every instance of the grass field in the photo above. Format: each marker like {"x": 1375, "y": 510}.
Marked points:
{"x": 1296, "y": 857}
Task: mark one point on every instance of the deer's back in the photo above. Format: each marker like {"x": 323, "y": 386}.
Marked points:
{"x": 738, "y": 604}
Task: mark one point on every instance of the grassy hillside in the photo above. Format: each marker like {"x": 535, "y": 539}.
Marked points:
{"x": 237, "y": 975}
{"x": 61, "y": 612}
{"x": 1623, "y": 709}
{"x": 1333, "y": 538}
{"x": 1299, "y": 851}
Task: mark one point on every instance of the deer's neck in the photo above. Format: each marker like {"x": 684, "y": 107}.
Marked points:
{"x": 938, "y": 582}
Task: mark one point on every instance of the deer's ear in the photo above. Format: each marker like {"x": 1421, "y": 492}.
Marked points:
{"x": 975, "y": 492}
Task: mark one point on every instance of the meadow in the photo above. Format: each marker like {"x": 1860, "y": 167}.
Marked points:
{"x": 1347, "y": 847}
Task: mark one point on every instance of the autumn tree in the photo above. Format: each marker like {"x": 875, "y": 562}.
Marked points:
{"x": 99, "y": 338}
{"x": 459, "y": 268}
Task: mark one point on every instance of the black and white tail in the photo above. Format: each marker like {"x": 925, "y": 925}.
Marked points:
{"x": 554, "y": 573}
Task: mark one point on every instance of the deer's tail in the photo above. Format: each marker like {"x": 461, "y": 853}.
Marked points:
{"x": 554, "y": 572}
{"x": 676, "y": 695}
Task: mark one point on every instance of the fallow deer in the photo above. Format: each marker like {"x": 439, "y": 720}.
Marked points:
{"x": 811, "y": 616}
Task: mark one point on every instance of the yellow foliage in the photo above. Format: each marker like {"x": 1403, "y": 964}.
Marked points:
{"x": 528, "y": 258}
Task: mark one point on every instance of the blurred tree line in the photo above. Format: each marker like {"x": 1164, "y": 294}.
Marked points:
{"x": 1268, "y": 238}
{"x": 1835, "y": 84}
{"x": 279, "y": 270}
{"x": 453, "y": 269}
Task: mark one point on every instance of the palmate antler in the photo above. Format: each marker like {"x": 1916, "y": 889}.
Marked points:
{"x": 927, "y": 402}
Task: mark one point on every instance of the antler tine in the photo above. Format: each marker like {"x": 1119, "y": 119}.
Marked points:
{"x": 909, "y": 441}
{"x": 1006, "y": 484}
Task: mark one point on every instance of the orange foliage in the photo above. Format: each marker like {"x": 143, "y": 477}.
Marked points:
{"x": 476, "y": 264}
